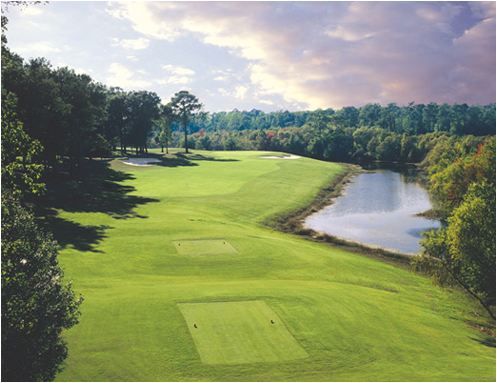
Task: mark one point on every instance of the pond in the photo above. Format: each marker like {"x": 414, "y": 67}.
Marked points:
{"x": 378, "y": 208}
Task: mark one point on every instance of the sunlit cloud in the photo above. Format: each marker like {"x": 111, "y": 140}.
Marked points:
{"x": 335, "y": 54}
{"x": 38, "y": 49}
{"x": 121, "y": 76}
{"x": 32, "y": 11}
{"x": 177, "y": 75}
{"x": 240, "y": 91}
{"x": 266, "y": 102}
{"x": 273, "y": 55}
{"x": 140, "y": 43}
{"x": 348, "y": 35}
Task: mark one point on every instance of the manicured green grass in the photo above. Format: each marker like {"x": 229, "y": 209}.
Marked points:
{"x": 204, "y": 247}
{"x": 357, "y": 318}
{"x": 239, "y": 332}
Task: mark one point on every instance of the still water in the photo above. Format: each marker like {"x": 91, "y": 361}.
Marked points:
{"x": 379, "y": 209}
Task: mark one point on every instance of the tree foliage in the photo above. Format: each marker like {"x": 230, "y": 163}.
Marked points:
{"x": 334, "y": 143}
{"x": 471, "y": 240}
{"x": 412, "y": 119}
{"x": 21, "y": 174}
{"x": 36, "y": 305}
{"x": 464, "y": 248}
{"x": 163, "y": 127}
{"x": 184, "y": 106}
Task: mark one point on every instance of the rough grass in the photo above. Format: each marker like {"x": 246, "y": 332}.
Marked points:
{"x": 239, "y": 332}
{"x": 356, "y": 317}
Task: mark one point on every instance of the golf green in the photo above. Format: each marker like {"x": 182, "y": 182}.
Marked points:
{"x": 239, "y": 332}
{"x": 357, "y": 318}
{"x": 204, "y": 247}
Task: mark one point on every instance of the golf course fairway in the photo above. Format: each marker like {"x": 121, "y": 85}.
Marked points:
{"x": 338, "y": 315}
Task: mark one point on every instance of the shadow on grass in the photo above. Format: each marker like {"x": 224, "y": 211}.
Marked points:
{"x": 487, "y": 332}
{"x": 179, "y": 159}
{"x": 97, "y": 189}
{"x": 201, "y": 157}
{"x": 488, "y": 341}
{"x": 174, "y": 161}
{"x": 69, "y": 233}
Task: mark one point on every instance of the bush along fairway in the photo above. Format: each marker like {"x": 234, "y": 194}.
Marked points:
{"x": 183, "y": 282}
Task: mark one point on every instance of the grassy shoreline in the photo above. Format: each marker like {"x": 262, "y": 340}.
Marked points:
{"x": 293, "y": 221}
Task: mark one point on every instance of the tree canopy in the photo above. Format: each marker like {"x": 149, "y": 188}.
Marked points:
{"x": 184, "y": 106}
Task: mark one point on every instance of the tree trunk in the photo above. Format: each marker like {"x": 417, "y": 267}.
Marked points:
{"x": 474, "y": 295}
{"x": 186, "y": 136}
{"x": 162, "y": 148}
{"x": 121, "y": 142}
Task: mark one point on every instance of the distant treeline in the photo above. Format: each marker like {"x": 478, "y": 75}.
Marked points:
{"x": 73, "y": 117}
{"x": 330, "y": 143}
{"x": 458, "y": 119}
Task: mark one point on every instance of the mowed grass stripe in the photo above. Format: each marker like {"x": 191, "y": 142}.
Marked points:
{"x": 204, "y": 247}
{"x": 239, "y": 332}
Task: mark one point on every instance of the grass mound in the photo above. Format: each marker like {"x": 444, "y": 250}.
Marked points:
{"x": 204, "y": 247}
{"x": 239, "y": 332}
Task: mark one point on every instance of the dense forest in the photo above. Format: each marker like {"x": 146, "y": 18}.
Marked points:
{"x": 74, "y": 117}
{"x": 412, "y": 119}
{"x": 54, "y": 120}
{"x": 328, "y": 142}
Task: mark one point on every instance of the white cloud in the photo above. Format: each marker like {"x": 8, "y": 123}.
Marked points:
{"x": 223, "y": 92}
{"x": 38, "y": 49}
{"x": 240, "y": 92}
{"x": 334, "y": 54}
{"x": 31, "y": 10}
{"x": 139, "y": 43}
{"x": 80, "y": 70}
{"x": 177, "y": 75}
{"x": 143, "y": 13}
{"x": 223, "y": 74}
{"x": 76, "y": 69}
{"x": 348, "y": 35}
{"x": 266, "y": 102}
{"x": 123, "y": 77}
{"x": 178, "y": 70}
{"x": 220, "y": 78}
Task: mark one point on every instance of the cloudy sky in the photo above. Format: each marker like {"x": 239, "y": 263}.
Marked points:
{"x": 272, "y": 56}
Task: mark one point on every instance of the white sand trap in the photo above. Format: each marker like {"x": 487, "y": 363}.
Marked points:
{"x": 285, "y": 157}
{"x": 141, "y": 161}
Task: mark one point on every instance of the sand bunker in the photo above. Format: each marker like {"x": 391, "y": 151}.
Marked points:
{"x": 141, "y": 161}
{"x": 286, "y": 157}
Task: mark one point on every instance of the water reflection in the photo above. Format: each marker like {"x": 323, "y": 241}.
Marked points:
{"x": 378, "y": 208}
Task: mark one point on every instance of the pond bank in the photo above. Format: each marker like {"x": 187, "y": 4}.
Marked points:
{"x": 293, "y": 222}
